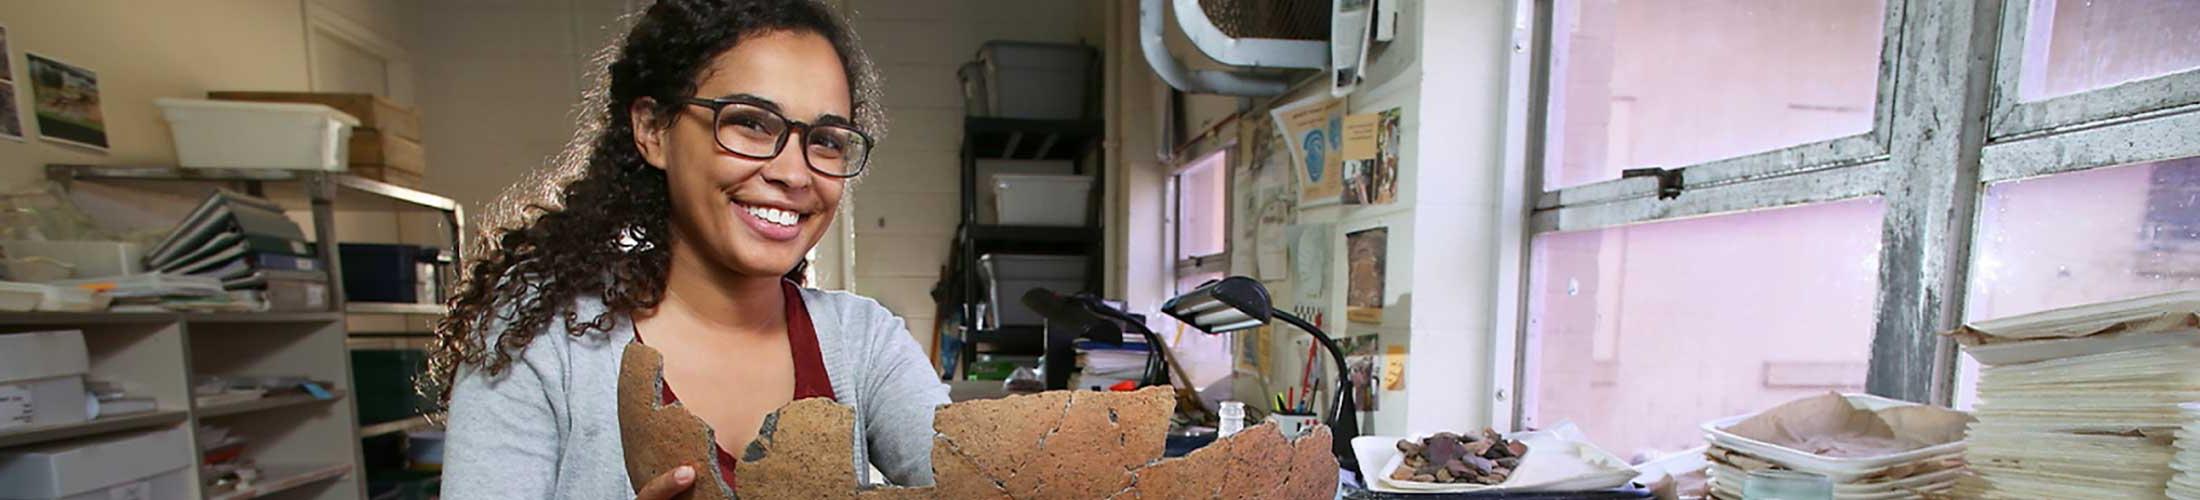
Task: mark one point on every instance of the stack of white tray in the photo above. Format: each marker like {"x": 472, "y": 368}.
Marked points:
{"x": 1910, "y": 474}
{"x": 2083, "y": 402}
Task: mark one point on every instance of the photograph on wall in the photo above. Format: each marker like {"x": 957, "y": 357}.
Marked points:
{"x": 7, "y": 57}
{"x": 1364, "y": 255}
{"x": 1363, "y": 364}
{"x": 65, "y": 103}
{"x": 1312, "y": 129}
{"x": 11, "y": 121}
{"x": 1388, "y": 140}
{"x": 1360, "y": 157}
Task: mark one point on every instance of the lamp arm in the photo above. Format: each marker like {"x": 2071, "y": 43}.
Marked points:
{"x": 1344, "y": 418}
{"x": 1335, "y": 353}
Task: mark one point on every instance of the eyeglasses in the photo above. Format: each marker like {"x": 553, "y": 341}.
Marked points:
{"x": 757, "y": 133}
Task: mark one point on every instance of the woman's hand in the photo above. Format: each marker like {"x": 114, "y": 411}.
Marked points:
{"x": 668, "y": 484}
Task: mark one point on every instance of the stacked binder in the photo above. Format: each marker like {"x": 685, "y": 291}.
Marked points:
{"x": 248, "y": 244}
{"x": 2083, "y": 402}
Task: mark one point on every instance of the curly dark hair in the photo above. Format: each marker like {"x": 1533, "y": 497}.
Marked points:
{"x": 595, "y": 221}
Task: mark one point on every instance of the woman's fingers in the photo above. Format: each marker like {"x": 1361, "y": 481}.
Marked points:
{"x": 668, "y": 484}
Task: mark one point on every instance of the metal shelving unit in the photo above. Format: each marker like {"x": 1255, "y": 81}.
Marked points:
{"x": 306, "y": 442}
{"x": 986, "y": 138}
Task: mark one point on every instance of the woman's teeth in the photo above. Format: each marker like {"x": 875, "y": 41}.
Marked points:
{"x": 774, "y": 215}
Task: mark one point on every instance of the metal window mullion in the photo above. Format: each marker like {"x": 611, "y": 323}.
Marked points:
{"x": 2163, "y": 138}
{"x": 1792, "y": 190}
{"x": 1931, "y": 190}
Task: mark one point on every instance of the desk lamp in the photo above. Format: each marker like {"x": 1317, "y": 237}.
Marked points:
{"x": 1238, "y": 303}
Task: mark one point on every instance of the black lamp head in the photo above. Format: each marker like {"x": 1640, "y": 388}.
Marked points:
{"x": 1224, "y": 305}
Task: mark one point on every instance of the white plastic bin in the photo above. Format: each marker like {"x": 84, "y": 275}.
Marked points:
{"x": 1041, "y": 200}
{"x": 987, "y": 169}
{"x": 237, "y": 134}
{"x": 42, "y": 379}
{"x": 1032, "y": 80}
{"x": 148, "y": 465}
{"x": 1010, "y": 276}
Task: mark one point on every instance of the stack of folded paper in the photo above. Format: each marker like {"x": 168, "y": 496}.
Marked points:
{"x": 2083, "y": 402}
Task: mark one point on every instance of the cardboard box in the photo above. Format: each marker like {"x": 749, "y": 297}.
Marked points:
{"x": 43, "y": 402}
{"x": 146, "y": 465}
{"x": 373, "y": 112}
{"x": 39, "y": 355}
{"x": 369, "y": 147}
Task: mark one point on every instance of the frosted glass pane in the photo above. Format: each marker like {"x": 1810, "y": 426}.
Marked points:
{"x": 2080, "y": 238}
{"x": 1680, "y": 82}
{"x": 1641, "y": 333}
{"x": 2078, "y": 45}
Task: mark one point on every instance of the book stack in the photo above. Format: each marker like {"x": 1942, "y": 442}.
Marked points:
{"x": 1101, "y": 365}
{"x": 2083, "y": 402}
{"x": 247, "y": 243}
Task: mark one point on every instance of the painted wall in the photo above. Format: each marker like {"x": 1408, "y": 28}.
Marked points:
{"x": 142, "y": 51}
{"x": 906, "y": 209}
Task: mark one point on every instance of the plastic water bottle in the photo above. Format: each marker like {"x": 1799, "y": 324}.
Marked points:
{"x": 1233, "y": 418}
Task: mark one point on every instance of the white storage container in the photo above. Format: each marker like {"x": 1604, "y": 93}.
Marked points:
{"x": 93, "y": 259}
{"x": 150, "y": 465}
{"x": 1031, "y": 80}
{"x": 987, "y": 169}
{"x": 1011, "y": 276}
{"x": 20, "y": 297}
{"x": 1041, "y": 200}
{"x": 237, "y": 134}
{"x": 42, "y": 379}
{"x": 37, "y": 355}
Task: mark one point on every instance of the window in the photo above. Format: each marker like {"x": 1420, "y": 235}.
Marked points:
{"x": 1677, "y": 83}
{"x": 1200, "y": 199}
{"x": 2073, "y": 46}
{"x": 2082, "y": 237}
{"x": 1640, "y": 333}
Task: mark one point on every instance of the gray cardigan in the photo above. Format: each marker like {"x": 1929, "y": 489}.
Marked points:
{"x": 548, "y": 427}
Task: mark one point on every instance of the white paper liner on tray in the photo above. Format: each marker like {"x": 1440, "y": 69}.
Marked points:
{"x": 1951, "y": 461}
{"x": 1715, "y": 431}
{"x": 1558, "y": 459}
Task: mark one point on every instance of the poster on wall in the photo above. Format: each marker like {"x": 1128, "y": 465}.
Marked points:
{"x": 1312, "y": 129}
{"x": 1357, "y": 158}
{"x": 1309, "y": 264}
{"x": 1394, "y": 368}
{"x": 1363, "y": 365}
{"x": 1364, "y": 254}
{"x": 65, "y": 103}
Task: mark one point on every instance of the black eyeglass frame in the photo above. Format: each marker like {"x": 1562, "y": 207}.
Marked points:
{"x": 718, "y": 107}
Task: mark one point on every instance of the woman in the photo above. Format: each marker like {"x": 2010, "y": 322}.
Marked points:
{"x": 722, "y": 143}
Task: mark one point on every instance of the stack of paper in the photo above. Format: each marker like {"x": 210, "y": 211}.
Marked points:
{"x": 242, "y": 240}
{"x": 1103, "y": 365}
{"x": 2186, "y": 484}
{"x": 2083, "y": 402}
{"x": 1869, "y": 447}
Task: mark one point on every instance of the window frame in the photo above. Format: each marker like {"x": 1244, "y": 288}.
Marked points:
{"x": 1218, "y": 262}
{"x": 2138, "y": 100}
{"x": 1936, "y": 74}
{"x": 1829, "y": 154}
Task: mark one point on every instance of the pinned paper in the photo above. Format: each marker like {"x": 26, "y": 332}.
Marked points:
{"x": 1394, "y": 368}
{"x": 1312, "y": 129}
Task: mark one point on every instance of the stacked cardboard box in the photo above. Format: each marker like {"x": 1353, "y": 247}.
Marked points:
{"x": 385, "y": 146}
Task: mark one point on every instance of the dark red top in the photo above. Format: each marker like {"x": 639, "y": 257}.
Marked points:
{"x": 810, "y": 379}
